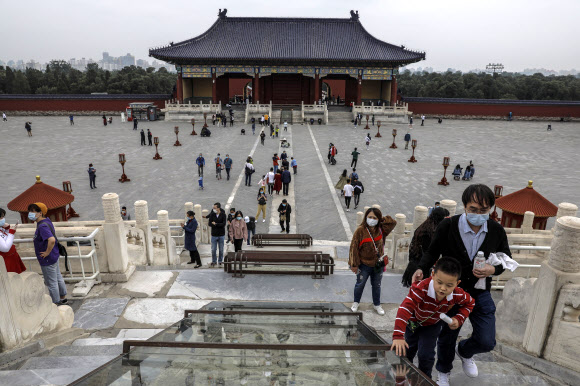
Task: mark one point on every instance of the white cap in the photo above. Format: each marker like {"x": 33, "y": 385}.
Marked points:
{"x": 246, "y": 219}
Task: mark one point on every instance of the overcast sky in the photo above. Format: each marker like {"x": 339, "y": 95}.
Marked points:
{"x": 462, "y": 34}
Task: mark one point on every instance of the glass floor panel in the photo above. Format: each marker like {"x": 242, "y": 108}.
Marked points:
{"x": 260, "y": 344}
{"x": 253, "y": 367}
{"x": 271, "y": 329}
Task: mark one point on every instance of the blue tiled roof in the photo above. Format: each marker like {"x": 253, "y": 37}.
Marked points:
{"x": 259, "y": 40}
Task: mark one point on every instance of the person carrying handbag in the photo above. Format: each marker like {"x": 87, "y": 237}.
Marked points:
{"x": 366, "y": 255}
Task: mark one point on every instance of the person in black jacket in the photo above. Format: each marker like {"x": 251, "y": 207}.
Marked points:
{"x": 217, "y": 222}
{"x": 284, "y": 210}
{"x": 251, "y": 225}
{"x": 358, "y": 189}
{"x": 461, "y": 237}
{"x": 286, "y": 179}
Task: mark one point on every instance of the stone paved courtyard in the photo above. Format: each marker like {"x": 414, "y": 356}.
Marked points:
{"x": 506, "y": 153}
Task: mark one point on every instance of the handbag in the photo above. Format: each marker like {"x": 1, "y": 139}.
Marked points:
{"x": 282, "y": 217}
{"x": 380, "y": 264}
{"x": 61, "y": 249}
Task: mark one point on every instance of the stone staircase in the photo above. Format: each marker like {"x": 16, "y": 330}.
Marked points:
{"x": 342, "y": 118}
{"x": 62, "y": 365}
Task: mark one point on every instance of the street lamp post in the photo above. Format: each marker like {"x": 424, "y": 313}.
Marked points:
{"x": 497, "y": 192}
{"x": 393, "y": 146}
{"x": 445, "y": 166}
{"x": 176, "y": 131}
{"x": 67, "y": 187}
{"x": 122, "y": 161}
{"x": 156, "y": 142}
{"x": 413, "y": 145}
{"x": 367, "y": 126}
{"x": 378, "y": 135}
{"x": 193, "y": 126}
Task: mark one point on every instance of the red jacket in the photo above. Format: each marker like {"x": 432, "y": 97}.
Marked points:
{"x": 421, "y": 306}
{"x": 8, "y": 251}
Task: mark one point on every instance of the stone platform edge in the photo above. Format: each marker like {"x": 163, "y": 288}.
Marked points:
{"x": 553, "y": 370}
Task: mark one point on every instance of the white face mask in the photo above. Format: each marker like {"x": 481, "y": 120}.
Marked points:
{"x": 215, "y": 210}
{"x": 372, "y": 222}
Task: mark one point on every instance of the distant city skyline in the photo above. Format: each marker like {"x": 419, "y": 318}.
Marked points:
{"x": 454, "y": 33}
{"x": 107, "y": 62}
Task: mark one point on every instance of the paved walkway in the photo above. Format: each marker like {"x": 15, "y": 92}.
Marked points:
{"x": 507, "y": 153}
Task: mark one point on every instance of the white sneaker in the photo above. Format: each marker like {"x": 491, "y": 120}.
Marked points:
{"x": 264, "y": 220}
{"x": 379, "y": 310}
{"x": 469, "y": 366}
{"x": 354, "y": 307}
{"x": 348, "y": 210}
{"x": 443, "y": 379}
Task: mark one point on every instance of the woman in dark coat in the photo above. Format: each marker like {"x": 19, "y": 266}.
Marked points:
{"x": 421, "y": 240}
{"x": 278, "y": 181}
{"x": 190, "y": 227}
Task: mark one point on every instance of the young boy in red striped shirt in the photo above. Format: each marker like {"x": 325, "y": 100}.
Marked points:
{"x": 418, "y": 322}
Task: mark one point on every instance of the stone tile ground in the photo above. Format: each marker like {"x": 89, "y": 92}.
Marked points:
{"x": 506, "y": 153}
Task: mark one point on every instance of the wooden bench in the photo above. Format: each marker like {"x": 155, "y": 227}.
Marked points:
{"x": 317, "y": 264}
{"x": 261, "y": 239}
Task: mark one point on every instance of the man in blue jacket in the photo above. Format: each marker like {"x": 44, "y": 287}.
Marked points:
{"x": 228, "y": 165}
{"x": 286, "y": 179}
{"x": 407, "y": 140}
{"x": 200, "y": 161}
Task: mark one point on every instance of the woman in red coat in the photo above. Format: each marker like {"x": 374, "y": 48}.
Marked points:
{"x": 278, "y": 181}
{"x": 7, "y": 249}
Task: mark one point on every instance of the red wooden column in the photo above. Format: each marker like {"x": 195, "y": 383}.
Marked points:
{"x": 358, "y": 90}
{"x": 179, "y": 88}
{"x": 316, "y": 87}
{"x": 256, "y": 91}
{"x": 394, "y": 91}
{"x": 213, "y": 88}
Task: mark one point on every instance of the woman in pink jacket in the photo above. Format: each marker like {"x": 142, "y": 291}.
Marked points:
{"x": 238, "y": 231}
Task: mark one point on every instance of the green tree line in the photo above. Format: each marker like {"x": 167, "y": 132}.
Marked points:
{"x": 486, "y": 86}
{"x": 60, "y": 78}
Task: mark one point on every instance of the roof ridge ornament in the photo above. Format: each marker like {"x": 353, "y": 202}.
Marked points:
{"x": 354, "y": 15}
{"x": 222, "y": 14}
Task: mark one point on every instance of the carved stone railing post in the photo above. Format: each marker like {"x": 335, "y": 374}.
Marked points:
{"x": 419, "y": 217}
{"x": 566, "y": 209}
{"x": 164, "y": 230}
{"x": 206, "y": 232}
{"x": 528, "y": 223}
{"x": 563, "y": 267}
{"x": 199, "y": 233}
{"x": 450, "y": 205}
{"x": 359, "y": 219}
{"x": 142, "y": 222}
{"x": 398, "y": 233}
{"x": 115, "y": 234}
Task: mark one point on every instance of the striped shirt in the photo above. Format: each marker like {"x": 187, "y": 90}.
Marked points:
{"x": 421, "y": 306}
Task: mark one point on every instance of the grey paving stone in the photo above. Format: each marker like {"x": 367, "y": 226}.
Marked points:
{"x": 42, "y": 376}
{"x": 99, "y": 313}
{"x": 86, "y": 350}
{"x": 66, "y": 362}
{"x": 214, "y": 284}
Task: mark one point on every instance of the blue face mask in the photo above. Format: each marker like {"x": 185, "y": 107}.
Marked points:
{"x": 32, "y": 216}
{"x": 2, "y": 222}
{"x": 238, "y": 218}
{"x": 477, "y": 219}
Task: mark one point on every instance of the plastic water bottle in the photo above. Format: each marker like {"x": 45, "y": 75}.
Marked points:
{"x": 479, "y": 261}
{"x": 445, "y": 318}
